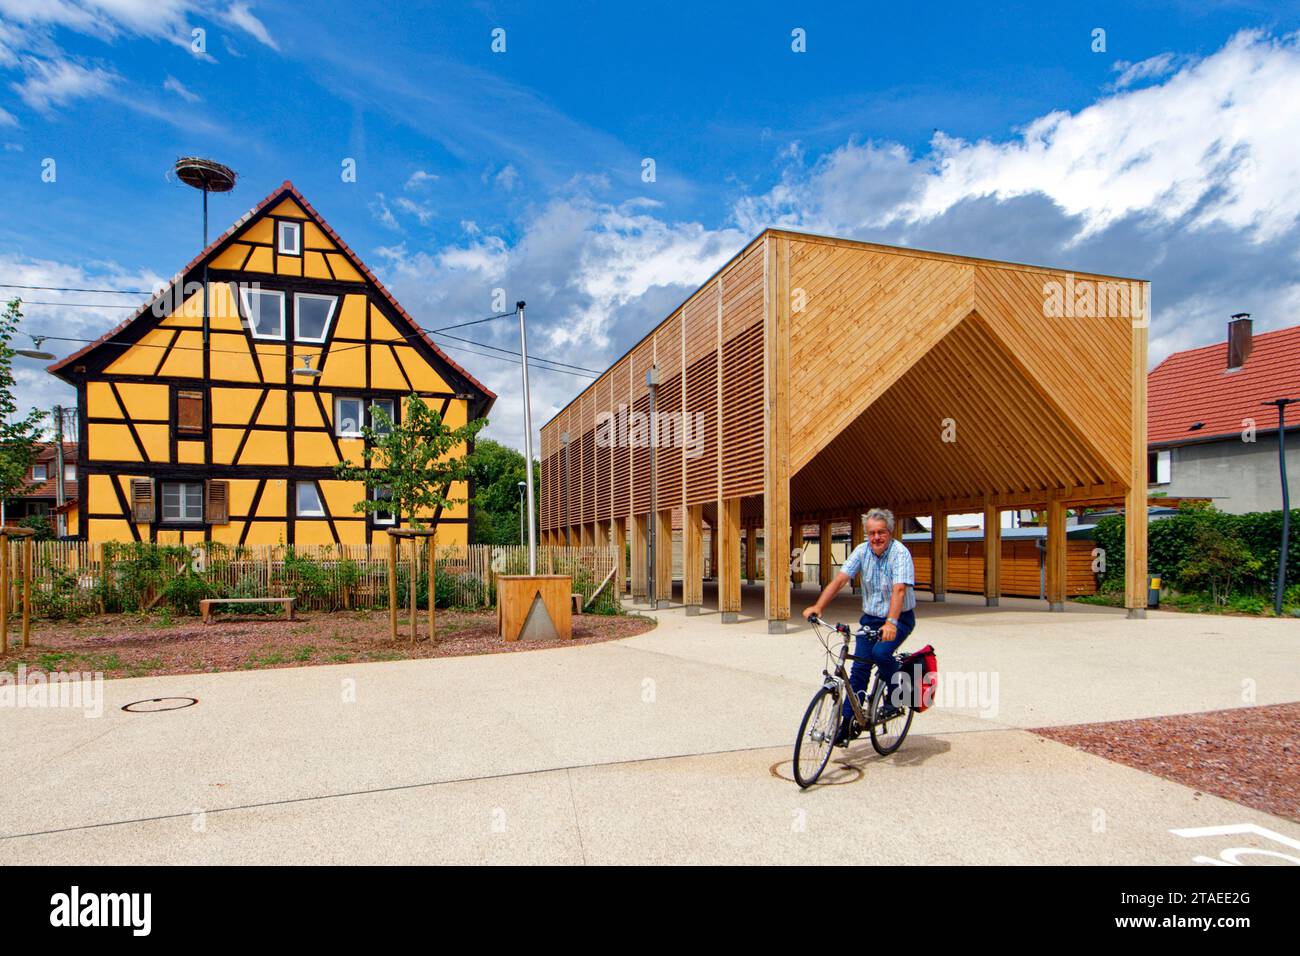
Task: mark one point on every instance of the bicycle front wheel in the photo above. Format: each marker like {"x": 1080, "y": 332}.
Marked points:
{"x": 887, "y": 735}
{"x": 816, "y": 740}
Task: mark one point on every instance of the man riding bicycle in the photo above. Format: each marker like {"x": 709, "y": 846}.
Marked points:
{"x": 888, "y": 605}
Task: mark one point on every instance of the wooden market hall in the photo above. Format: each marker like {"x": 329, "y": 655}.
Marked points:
{"x": 815, "y": 378}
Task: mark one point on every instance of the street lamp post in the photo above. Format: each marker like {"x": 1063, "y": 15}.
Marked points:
{"x": 528, "y": 439}
{"x": 1281, "y": 404}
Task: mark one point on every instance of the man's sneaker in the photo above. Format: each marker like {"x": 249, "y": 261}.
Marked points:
{"x": 888, "y": 712}
{"x": 846, "y": 733}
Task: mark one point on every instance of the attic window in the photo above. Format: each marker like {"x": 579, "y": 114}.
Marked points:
{"x": 312, "y": 315}
{"x": 39, "y": 473}
{"x": 265, "y": 311}
{"x": 290, "y": 234}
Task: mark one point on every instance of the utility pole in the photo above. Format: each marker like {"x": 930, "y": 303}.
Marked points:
{"x": 1281, "y": 404}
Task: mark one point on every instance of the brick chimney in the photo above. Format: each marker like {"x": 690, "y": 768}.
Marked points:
{"x": 1239, "y": 340}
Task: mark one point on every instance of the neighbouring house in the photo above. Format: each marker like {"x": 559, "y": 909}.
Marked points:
{"x": 41, "y": 497}
{"x": 226, "y": 426}
{"x": 1209, "y": 435}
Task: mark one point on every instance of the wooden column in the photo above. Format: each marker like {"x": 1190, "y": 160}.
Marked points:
{"x": 392, "y": 586}
{"x": 413, "y": 581}
{"x": 938, "y": 556}
{"x": 713, "y": 549}
{"x": 992, "y": 553}
{"x": 618, "y": 539}
{"x": 751, "y": 554}
{"x": 729, "y": 559}
{"x": 664, "y": 557}
{"x": 4, "y": 593}
{"x": 857, "y": 534}
{"x": 640, "y": 535}
{"x": 433, "y": 630}
{"x": 1055, "y": 555}
{"x": 27, "y": 591}
{"x": 776, "y": 432}
{"x": 693, "y": 559}
{"x": 1135, "y": 497}
{"x": 824, "y": 563}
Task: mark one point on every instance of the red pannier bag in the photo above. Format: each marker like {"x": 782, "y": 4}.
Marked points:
{"x": 922, "y": 670}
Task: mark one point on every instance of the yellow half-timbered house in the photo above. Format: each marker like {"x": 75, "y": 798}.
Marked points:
{"x": 229, "y": 433}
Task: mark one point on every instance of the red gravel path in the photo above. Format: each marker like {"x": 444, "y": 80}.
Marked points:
{"x": 1250, "y": 755}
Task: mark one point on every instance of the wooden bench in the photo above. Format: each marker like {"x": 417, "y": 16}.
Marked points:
{"x": 205, "y": 606}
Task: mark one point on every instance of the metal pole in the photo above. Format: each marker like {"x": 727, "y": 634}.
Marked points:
{"x": 528, "y": 439}
{"x": 1281, "y": 404}
{"x": 205, "y": 274}
{"x": 60, "y": 519}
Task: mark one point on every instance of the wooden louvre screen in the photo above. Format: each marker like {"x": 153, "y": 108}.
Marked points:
{"x": 189, "y": 412}
{"x": 142, "y": 504}
{"x": 217, "y": 504}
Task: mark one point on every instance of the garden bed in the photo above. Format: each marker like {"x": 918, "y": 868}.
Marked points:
{"x": 1247, "y": 754}
{"x": 130, "y": 645}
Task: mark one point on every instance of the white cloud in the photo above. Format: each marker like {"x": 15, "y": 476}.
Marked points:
{"x": 422, "y": 211}
{"x": 1207, "y": 146}
{"x": 51, "y": 83}
{"x": 1149, "y": 69}
{"x": 507, "y": 178}
{"x": 7, "y": 118}
{"x": 241, "y": 15}
{"x": 419, "y": 179}
{"x": 383, "y": 215}
{"x": 179, "y": 88}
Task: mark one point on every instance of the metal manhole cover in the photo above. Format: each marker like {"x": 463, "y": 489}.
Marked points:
{"x": 168, "y": 703}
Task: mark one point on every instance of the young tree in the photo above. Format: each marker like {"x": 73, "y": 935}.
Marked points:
{"x": 18, "y": 437}
{"x": 413, "y": 463}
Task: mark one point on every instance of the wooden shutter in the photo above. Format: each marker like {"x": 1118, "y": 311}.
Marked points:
{"x": 142, "y": 504}
{"x": 189, "y": 412}
{"x": 217, "y": 505}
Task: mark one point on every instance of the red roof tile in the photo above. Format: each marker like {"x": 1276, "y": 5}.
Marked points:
{"x": 1195, "y": 386}
{"x": 285, "y": 188}
{"x": 46, "y": 489}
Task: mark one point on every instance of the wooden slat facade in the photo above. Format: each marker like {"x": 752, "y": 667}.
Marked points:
{"x": 830, "y": 376}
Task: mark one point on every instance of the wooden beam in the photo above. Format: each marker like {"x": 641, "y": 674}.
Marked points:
{"x": 824, "y": 554}
{"x": 618, "y": 536}
{"x": 664, "y": 557}
{"x": 1135, "y": 502}
{"x": 992, "y": 554}
{"x": 776, "y": 432}
{"x": 693, "y": 559}
{"x": 1055, "y": 556}
{"x": 857, "y": 536}
{"x": 751, "y": 554}
{"x": 640, "y": 538}
{"x": 729, "y": 559}
{"x": 939, "y": 555}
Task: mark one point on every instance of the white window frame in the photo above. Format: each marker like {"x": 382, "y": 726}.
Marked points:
{"x": 182, "y": 518}
{"x": 338, "y": 416}
{"x": 391, "y": 409}
{"x": 392, "y": 516}
{"x": 40, "y": 472}
{"x": 297, "y": 500}
{"x": 1164, "y": 466}
{"x": 333, "y": 300}
{"x": 69, "y": 472}
{"x": 244, "y": 294}
{"x": 284, "y": 227}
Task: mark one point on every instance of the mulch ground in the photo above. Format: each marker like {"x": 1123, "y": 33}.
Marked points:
{"x": 1248, "y": 755}
{"x": 121, "y": 645}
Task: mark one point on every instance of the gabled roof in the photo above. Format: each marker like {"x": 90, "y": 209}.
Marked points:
{"x": 285, "y": 189}
{"x": 1196, "y": 386}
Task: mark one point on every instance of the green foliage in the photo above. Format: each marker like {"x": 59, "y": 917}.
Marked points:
{"x": 498, "y": 471}
{"x": 185, "y": 590}
{"x": 414, "y": 461}
{"x": 18, "y": 436}
{"x": 41, "y": 524}
{"x": 1210, "y": 554}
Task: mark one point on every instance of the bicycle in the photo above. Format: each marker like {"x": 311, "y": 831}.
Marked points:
{"x": 821, "y": 721}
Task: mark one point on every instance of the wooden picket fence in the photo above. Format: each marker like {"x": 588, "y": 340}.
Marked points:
{"x": 75, "y": 578}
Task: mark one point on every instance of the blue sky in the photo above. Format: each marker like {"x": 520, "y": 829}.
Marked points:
{"x": 997, "y": 132}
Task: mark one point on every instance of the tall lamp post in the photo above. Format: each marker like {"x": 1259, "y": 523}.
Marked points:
{"x": 528, "y": 439}
{"x": 1281, "y": 404}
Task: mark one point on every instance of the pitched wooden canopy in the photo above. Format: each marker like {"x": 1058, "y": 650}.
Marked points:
{"x": 832, "y": 376}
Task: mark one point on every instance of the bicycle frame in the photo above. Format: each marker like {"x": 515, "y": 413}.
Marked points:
{"x": 839, "y": 678}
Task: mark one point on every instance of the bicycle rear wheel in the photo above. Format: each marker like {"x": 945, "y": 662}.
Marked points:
{"x": 887, "y": 735}
{"x": 816, "y": 740}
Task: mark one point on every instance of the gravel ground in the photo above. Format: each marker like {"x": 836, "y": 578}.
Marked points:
{"x": 1250, "y": 755}
{"x": 120, "y": 645}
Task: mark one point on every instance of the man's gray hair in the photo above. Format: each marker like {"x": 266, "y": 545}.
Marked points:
{"x": 882, "y": 514}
